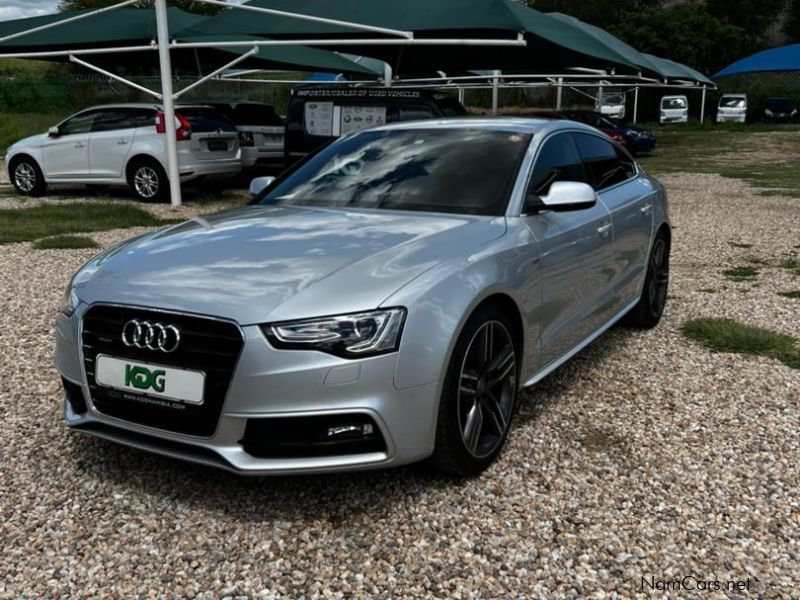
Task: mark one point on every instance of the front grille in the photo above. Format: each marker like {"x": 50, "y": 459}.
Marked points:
{"x": 206, "y": 345}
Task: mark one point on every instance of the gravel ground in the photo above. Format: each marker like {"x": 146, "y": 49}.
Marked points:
{"x": 646, "y": 456}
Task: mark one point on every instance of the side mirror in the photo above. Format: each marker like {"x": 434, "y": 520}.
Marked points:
{"x": 259, "y": 184}
{"x": 566, "y": 196}
{"x": 53, "y": 132}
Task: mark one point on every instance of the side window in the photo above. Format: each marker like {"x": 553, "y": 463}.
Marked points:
{"x": 558, "y": 160}
{"x": 124, "y": 118}
{"x": 603, "y": 161}
{"x": 81, "y": 123}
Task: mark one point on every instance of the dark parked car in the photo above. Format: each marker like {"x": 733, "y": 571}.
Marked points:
{"x": 319, "y": 115}
{"x": 779, "y": 110}
{"x": 260, "y": 129}
{"x": 635, "y": 139}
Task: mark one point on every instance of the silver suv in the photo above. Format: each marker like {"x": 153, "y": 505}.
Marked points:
{"x": 125, "y": 144}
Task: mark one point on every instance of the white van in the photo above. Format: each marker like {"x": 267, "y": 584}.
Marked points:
{"x": 732, "y": 108}
{"x": 611, "y": 105}
{"x": 674, "y": 109}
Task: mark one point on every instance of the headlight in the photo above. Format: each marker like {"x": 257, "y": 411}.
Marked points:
{"x": 794, "y": 112}
{"x": 70, "y": 302}
{"x": 769, "y": 112}
{"x": 349, "y": 336}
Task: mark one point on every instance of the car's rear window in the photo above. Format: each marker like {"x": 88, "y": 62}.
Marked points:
{"x": 261, "y": 115}
{"x": 203, "y": 120}
{"x": 463, "y": 171}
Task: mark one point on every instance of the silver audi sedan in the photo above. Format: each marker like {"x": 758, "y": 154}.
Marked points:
{"x": 381, "y": 303}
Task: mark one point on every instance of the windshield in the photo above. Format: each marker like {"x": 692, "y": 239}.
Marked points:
{"x": 612, "y": 100}
{"x": 732, "y": 102}
{"x": 669, "y": 103}
{"x": 464, "y": 171}
{"x": 780, "y": 105}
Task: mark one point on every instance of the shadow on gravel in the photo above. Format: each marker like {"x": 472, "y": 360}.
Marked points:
{"x": 337, "y": 498}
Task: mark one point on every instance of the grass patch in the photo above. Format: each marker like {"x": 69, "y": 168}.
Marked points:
{"x": 762, "y": 155}
{"x": 739, "y": 274}
{"x": 790, "y": 263}
{"x": 15, "y": 126}
{"x": 794, "y": 294}
{"x": 707, "y": 290}
{"x": 726, "y": 335}
{"x": 28, "y": 224}
{"x": 738, "y": 245}
{"x": 65, "y": 242}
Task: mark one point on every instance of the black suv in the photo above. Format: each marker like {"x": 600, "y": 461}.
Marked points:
{"x": 319, "y": 115}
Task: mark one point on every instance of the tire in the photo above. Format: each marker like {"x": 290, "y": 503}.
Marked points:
{"x": 148, "y": 180}
{"x": 26, "y": 177}
{"x": 474, "y": 413}
{"x": 647, "y": 312}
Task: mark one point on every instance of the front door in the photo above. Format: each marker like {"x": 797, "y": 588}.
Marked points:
{"x": 66, "y": 156}
{"x": 574, "y": 252}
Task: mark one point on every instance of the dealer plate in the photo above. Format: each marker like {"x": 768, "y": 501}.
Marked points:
{"x": 154, "y": 380}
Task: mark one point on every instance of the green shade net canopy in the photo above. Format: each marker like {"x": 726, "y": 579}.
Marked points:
{"x": 678, "y": 72}
{"x": 553, "y": 46}
{"x": 129, "y": 27}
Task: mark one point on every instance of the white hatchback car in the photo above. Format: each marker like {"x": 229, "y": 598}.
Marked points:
{"x": 125, "y": 144}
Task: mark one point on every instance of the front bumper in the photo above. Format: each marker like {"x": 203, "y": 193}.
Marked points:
{"x": 269, "y": 383}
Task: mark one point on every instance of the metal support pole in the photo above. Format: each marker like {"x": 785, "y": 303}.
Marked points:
{"x": 635, "y": 104}
{"x": 495, "y": 92}
{"x": 599, "y": 100}
{"x": 165, "y": 64}
{"x": 559, "y": 92}
{"x": 387, "y": 74}
{"x": 703, "y": 106}
{"x": 461, "y": 95}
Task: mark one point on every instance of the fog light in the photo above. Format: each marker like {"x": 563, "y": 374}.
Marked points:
{"x": 351, "y": 431}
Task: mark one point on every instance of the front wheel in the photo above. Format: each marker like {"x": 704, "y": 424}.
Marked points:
{"x": 148, "y": 181}
{"x": 478, "y": 397}
{"x": 27, "y": 177}
{"x": 648, "y": 311}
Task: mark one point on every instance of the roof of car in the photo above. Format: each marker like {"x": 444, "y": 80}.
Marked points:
{"x": 518, "y": 124}
{"x": 153, "y": 105}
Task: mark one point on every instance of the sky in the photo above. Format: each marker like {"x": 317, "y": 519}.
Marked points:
{"x": 17, "y": 9}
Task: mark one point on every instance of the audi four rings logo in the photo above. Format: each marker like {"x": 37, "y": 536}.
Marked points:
{"x": 151, "y": 336}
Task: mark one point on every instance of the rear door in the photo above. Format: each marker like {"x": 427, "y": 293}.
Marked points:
{"x": 615, "y": 177}
{"x": 575, "y": 248}
{"x": 112, "y": 138}
{"x": 213, "y": 137}
{"x": 67, "y": 156}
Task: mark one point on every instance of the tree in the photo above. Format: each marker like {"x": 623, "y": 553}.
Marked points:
{"x": 601, "y": 13}
{"x": 792, "y": 26}
{"x": 754, "y": 19}
{"x": 687, "y": 33}
{"x": 187, "y": 5}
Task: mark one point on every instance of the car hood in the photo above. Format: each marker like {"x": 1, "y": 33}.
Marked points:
{"x": 34, "y": 140}
{"x": 260, "y": 264}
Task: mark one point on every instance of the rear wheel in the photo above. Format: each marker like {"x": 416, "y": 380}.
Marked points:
{"x": 479, "y": 395}
{"x": 27, "y": 177}
{"x": 647, "y": 312}
{"x": 148, "y": 180}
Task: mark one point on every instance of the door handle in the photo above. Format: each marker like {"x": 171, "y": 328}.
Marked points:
{"x": 604, "y": 230}
{"x": 80, "y": 145}
{"x": 121, "y": 142}
{"x": 645, "y": 210}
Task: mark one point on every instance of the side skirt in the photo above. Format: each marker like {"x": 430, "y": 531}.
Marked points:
{"x": 537, "y": 377}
